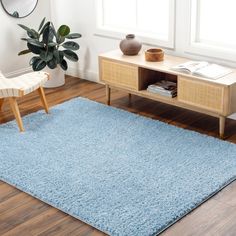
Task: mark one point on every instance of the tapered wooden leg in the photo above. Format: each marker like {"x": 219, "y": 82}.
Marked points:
{"x": 15, "y": 109}
{"x": 108, "y": 95}
{"x": 130, "y": 97}
{"x": 43, "y": 99}
{"x": 222, "y": 127}
{"x": 1, "y": 103}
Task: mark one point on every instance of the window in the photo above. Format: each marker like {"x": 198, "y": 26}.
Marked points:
{"x": 152, "y": 22}
{"x": 198, "y": 29}
{"x": 212, "y": 28}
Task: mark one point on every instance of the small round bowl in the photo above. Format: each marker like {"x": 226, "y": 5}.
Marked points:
{"x": 154, "y": 55}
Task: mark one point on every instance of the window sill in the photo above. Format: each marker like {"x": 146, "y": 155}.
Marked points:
{"x": 211, "y": 51}
{"x": 146, "y": 40}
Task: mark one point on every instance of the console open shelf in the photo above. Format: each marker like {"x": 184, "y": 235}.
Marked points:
{"x": 148, "y": 77}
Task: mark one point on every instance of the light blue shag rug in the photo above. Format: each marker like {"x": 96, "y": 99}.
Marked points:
{"x": 119, "y": 172}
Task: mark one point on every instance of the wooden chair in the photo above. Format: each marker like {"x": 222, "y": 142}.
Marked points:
{"x": 14, "y": 88}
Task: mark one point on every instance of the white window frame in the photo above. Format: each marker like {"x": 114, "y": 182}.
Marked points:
{"x": 101, "y": 30}
{"x": 199, "y": 48}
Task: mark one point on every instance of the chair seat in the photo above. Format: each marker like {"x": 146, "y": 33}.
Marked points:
{"x": 21, "y": 85}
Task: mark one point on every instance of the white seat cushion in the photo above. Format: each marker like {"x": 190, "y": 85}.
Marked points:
{"x": 21, "y": 85}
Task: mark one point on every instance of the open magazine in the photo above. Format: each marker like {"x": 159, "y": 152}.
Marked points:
{"x": 204, "y": 69}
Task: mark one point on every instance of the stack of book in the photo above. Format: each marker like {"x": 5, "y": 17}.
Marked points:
{"x": 164, "y": 87}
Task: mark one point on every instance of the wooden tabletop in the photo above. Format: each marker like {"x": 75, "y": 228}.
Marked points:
{"x": 166, "y": 65}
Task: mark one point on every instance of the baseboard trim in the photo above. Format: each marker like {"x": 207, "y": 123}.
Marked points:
{"x": 87, "y": 75}
{"x": 18, "y": 72}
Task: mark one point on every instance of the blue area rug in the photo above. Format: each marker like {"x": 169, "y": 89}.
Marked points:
{"x": 119, "y": 172}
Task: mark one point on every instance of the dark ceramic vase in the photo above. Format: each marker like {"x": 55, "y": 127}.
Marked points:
{"x": 130, "y": 46}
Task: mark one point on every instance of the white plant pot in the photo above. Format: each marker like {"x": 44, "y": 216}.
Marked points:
{"x": 57, "y": 77}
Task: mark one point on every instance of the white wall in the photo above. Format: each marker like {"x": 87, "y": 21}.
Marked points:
{"x": 80, "y": 16}
{"x": 10, "y": 62}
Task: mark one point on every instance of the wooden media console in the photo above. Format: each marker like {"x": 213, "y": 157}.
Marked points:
{"x": 133, "y": 74}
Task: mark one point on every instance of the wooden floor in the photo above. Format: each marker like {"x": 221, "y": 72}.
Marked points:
{"x": 22, "y": 215}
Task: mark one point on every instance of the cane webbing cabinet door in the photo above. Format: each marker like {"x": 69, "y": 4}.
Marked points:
{"x": 203, "y": 95}
{"x": 120, "y": 74}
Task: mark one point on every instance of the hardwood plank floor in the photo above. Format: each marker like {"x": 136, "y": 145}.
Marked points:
{"x": 23, "y": 215}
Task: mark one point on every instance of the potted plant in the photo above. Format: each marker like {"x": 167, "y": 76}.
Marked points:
{"x": 51, "y": 49}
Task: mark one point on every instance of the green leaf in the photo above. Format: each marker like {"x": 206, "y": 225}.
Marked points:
{"x": 24, "y": 52}
{"x": 15, "y": 14}
{"x": 48, "y": 35}
{"x": 35, "y": 43}
{"x": 33, "y": 34}
{"x": 57, "y": 36}
{"x": 64, "y": 65}
{"x": 39, "y": 65}
{"x": 71, "y": 45}
{"x": 59, "y": 55}
{"x": 34, "y": 59}
{"x": 44, "y": 27}
{"x": 42, "y": 23}
{"x": 73, "y": 36}
{"x": 71, "y": 55}
{"x": 51, "y": 34}
{"x": 34, "y": 49}
{"x": 52, "y": 64}
{"x": 25, "y": 39}
{"x": 61, "y": 40}
{"x": 64, "y": 30}
{"x": 24, "y": 27}
{"x": 46, "y": 56}
{"x": 54, "y": 30}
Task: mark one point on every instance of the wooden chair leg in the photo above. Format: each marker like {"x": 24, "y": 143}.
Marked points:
{"x": 15, "y": 109}
{"x": 43, "y": 99}
{"x": 1, "y": 103}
